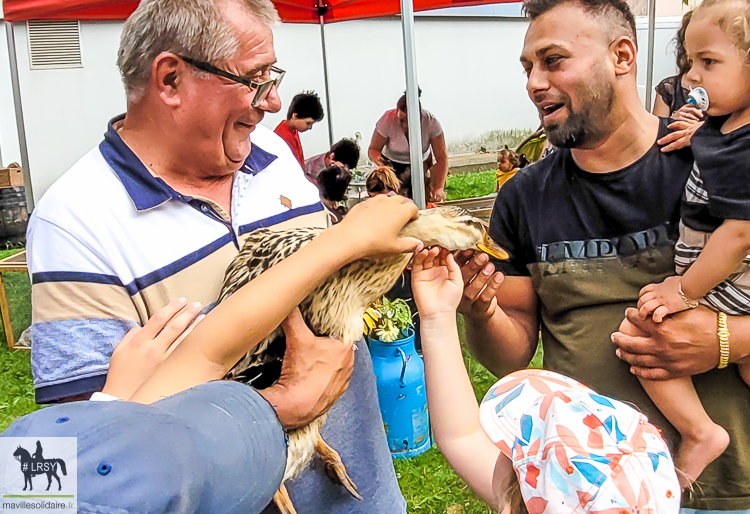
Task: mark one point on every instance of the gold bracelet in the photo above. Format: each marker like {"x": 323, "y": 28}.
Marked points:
{"x": 690, "y": 305}
{"x": 723, "y": 333}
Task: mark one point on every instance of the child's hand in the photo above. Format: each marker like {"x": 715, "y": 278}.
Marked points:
{"x": 660, "y": 300}
{"x": 140, "y": 352}
{"x": 436, "y": 282}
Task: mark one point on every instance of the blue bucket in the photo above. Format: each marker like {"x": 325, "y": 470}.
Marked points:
{"x": 399, "y": 371}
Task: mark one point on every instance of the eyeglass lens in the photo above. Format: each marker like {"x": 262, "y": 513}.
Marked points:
{"x": 265, "y": 88}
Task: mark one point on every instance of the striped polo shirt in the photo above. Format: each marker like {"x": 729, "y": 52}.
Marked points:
{"x": 109, "y": 244}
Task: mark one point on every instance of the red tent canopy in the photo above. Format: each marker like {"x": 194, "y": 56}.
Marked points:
{"x": 295, "y": 11}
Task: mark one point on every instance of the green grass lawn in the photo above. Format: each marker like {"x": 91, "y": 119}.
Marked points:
{"x": 470, "y": 185}
{"x": 427, "y": 481}
{"x": 16, "y": 388}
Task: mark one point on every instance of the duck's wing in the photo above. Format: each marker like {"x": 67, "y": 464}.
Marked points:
{"x": 262, "y": 250}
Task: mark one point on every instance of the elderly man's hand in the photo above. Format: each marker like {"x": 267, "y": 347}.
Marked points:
{"x": 480, "y": 285}
{"x": 314, "y": 375}
{"x": 682, "y": 345}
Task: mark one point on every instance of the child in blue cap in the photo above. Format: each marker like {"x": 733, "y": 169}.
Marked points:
{"x": 185, "y": 441}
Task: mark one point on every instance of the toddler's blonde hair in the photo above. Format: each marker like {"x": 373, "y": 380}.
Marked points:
{"x": 733, "y": 17}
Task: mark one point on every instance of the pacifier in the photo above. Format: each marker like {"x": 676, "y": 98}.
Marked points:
{"x": 699, "y": 98}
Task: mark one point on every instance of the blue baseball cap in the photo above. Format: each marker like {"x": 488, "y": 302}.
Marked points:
{"x": 217, "y": 447}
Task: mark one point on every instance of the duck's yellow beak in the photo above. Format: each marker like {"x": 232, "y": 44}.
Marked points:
{"x": 489, "y": 247}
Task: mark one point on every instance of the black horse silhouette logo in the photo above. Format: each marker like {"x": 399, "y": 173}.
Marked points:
{"x": 32, "y": 466}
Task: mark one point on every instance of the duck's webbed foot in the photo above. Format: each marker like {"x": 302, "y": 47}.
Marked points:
{"x": 335, "y": 467}
{"x": 283, "y": 502}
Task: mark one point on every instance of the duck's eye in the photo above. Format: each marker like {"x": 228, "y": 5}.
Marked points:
{"x": 469, "y": 222}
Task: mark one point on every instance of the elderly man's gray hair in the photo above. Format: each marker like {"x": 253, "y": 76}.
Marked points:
{"x": 193, "y": 28}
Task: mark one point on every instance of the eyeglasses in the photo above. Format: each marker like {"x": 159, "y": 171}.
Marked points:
{"x": 262, "y": 88}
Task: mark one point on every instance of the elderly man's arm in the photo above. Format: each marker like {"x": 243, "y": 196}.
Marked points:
{"x": 80, "y": 310}
{"x": 682, "y": 345}
{"x": 500, "y": 315}
{"x": 439, "y": 171}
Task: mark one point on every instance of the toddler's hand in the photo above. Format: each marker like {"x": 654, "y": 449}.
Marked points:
{"x": 436, "y": 282}
{"x": 660, "y": 300}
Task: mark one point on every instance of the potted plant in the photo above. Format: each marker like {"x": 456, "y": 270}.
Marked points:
{"x": 388, "y": 320}
{"x": 399, "y": 371}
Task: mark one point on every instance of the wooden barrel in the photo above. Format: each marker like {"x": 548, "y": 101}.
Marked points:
{"x": 13, "y": 214}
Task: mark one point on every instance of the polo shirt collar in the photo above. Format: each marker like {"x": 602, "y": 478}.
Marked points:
{"x": 146, "y": 190}
{"x": 258, "y": 160}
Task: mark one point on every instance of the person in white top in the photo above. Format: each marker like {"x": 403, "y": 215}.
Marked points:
{"x": 390, "y": 147}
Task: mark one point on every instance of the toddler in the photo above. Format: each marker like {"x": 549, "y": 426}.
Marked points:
{"x": 711, "y": 256}
{"x": 508, "y": 164}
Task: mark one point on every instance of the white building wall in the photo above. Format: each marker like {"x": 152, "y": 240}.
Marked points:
{"x": 468, "y": 69}
{"x": 66, "y": 110}
{"x": 665, "y": 63}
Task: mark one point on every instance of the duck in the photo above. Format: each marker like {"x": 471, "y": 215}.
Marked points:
{"x": 336, "y": 309}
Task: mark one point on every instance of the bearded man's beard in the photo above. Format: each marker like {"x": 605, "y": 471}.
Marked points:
{"x": 587, "y": 125}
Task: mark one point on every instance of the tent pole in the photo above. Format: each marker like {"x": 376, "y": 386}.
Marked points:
{"x": 20, "y": 127}
{"x": 650, "y": 55}
{"x": 412, "y": 104}
{"x": 325, "y": 78}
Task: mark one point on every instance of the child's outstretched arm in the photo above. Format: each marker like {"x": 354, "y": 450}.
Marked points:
{"x": 230, "y": 330}
{"x": 724, "y": 252}
{"x": 438, "y": 286}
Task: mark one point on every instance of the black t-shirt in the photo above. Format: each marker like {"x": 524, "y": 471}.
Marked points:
{"x": 719, "y": 187}
{"x": 589, "y": 242}
{"x": 553, "y": 210}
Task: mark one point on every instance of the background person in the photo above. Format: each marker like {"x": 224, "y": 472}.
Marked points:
{"x": 508, "y": 164}
{"x": 345, "y": 152}
{"x": 672, "y": 96}
{"x": 390, "y": 147}
{"x": 672, "y": 92}
{"x": 382, "y": 180}
{"x": 305, "y": 110}
{"x": 333, "y": 183}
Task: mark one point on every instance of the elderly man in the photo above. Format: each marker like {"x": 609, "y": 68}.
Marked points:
{"x": 159, "y": 209}
{"x": 591, "y": 224}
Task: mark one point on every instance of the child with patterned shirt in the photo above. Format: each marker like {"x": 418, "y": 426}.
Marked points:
{"x": 711, "y": 255}
{"x": 540, "y": 441}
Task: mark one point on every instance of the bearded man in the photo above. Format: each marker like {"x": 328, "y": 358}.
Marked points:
{"x": 591, "y": 224}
